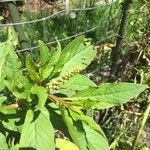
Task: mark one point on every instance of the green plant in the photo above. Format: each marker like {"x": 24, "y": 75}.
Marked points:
{"x": 83, "y": 20}
{"x": 52, "y": 94}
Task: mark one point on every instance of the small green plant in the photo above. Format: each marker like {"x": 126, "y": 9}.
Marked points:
{"x": 52, "y": 94}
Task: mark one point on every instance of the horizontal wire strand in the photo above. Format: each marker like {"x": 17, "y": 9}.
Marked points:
{"x": 55, "y": 14}
{"x": 59, "y": 13}
{"x": 70, "y": 37}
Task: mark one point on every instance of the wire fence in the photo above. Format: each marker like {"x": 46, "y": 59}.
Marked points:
{"x": 99, "y": 20}
{"x": 62, "y": 12}
{"x": 9, "y": 0}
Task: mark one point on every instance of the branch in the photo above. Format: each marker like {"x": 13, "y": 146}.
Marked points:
{"x": 145, "y": 117}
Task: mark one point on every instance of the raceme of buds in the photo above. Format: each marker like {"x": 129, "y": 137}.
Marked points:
{"x": 56, "y": 83}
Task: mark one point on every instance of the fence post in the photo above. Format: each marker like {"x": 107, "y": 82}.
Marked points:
{"x": 19, "y": 29}
{"x": 117, "y": 51}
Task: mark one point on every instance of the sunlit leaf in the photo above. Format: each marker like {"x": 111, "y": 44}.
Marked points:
{"x": 3, "y": 144}
{"x": 107, "y": 95}
{"x": 78, "y": 82}
{"x": 63, "y": 144}
{"x": 47, "y": 69}
{"x": 7, "y": 49}
{"x": 44, "y": 53}
{"x": 37, "y": 131}
{"x": 78, "y": 115}
{"x": 76, "y": 53}
{"x": 42, "y": 95}
{"x": 75, "y": 130}
{"x": 83, "y": 58}
{"x": 32, "y": 69}
{"x": 95, "y": 140}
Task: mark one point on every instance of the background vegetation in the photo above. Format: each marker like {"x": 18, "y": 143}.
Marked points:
{"x": 122, "y": 123}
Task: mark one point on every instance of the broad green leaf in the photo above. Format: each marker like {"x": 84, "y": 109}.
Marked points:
{"x": 74, "y": 47}
{"x": 10, "y": 68}
{"x": 42, "y": 95}
{"x": 63, "y": 144}
{"x": 20, "y": 87}
{"x": 55, "y": 54}
{"x": 61, "y": 63}
{"x": 14, "y": 80}
{"x": 69, "y": 51}
{"x": 75, "y": 130}
{"x": 2, "y": 66}
{"x": 47, "y": 69}
{"x": 32, "y": 69}
{"x": 3, "y": 144}
{"x": 44, "y": 53}
{"x": 10, "y": 124}
{"x": 68, "y": 58}
{"x": 107, "y": 95}
{"x": 37, "y": 131}
{"x": 5, "y": 48}
{"x": 12, "y": 38}
{"x": 78, "y": 82}
{"x": 2, "y": 99}
{"x": 76, "y": 114}
{"x": 56, "y": 119}
{"x": 82, "y": 58}
{"x": 11, "y": 42}
{"x": 95, "y": 140}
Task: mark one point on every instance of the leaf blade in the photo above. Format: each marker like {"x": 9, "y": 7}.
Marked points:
{"x": 42, "y": 95}
{"x": 78, "y": 82}
{"x": 108, "y": 95}
{"x": 47, "y": 70}
{"x": 82, "y": 59}
{"x": 3, "y": 143}
{"x": 32, "y": 69}
{"x": 95, "y": 140}
{"x": 40, "y": 130}
{"x": 76, "y": 132}
{"x": 44, "y": 52}
{"x": 63, "y": 144}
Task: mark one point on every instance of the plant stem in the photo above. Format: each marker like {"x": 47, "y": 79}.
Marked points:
{"x": 58, "y": 100}
{"x": 117, "y": 139}
{"x": 145, "y": 117}
{"x": 115, "y": 142}
{"x": 12, "y": 106}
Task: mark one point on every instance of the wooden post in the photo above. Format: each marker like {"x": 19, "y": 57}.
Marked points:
{"x": 19, "y": 29}
{"x": 117, "y": 51}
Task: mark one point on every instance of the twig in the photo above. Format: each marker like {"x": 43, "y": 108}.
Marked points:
{"x": 145, "y": 117}
{"x": 12, "y": 106}
{"x": 58, "y": 100}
